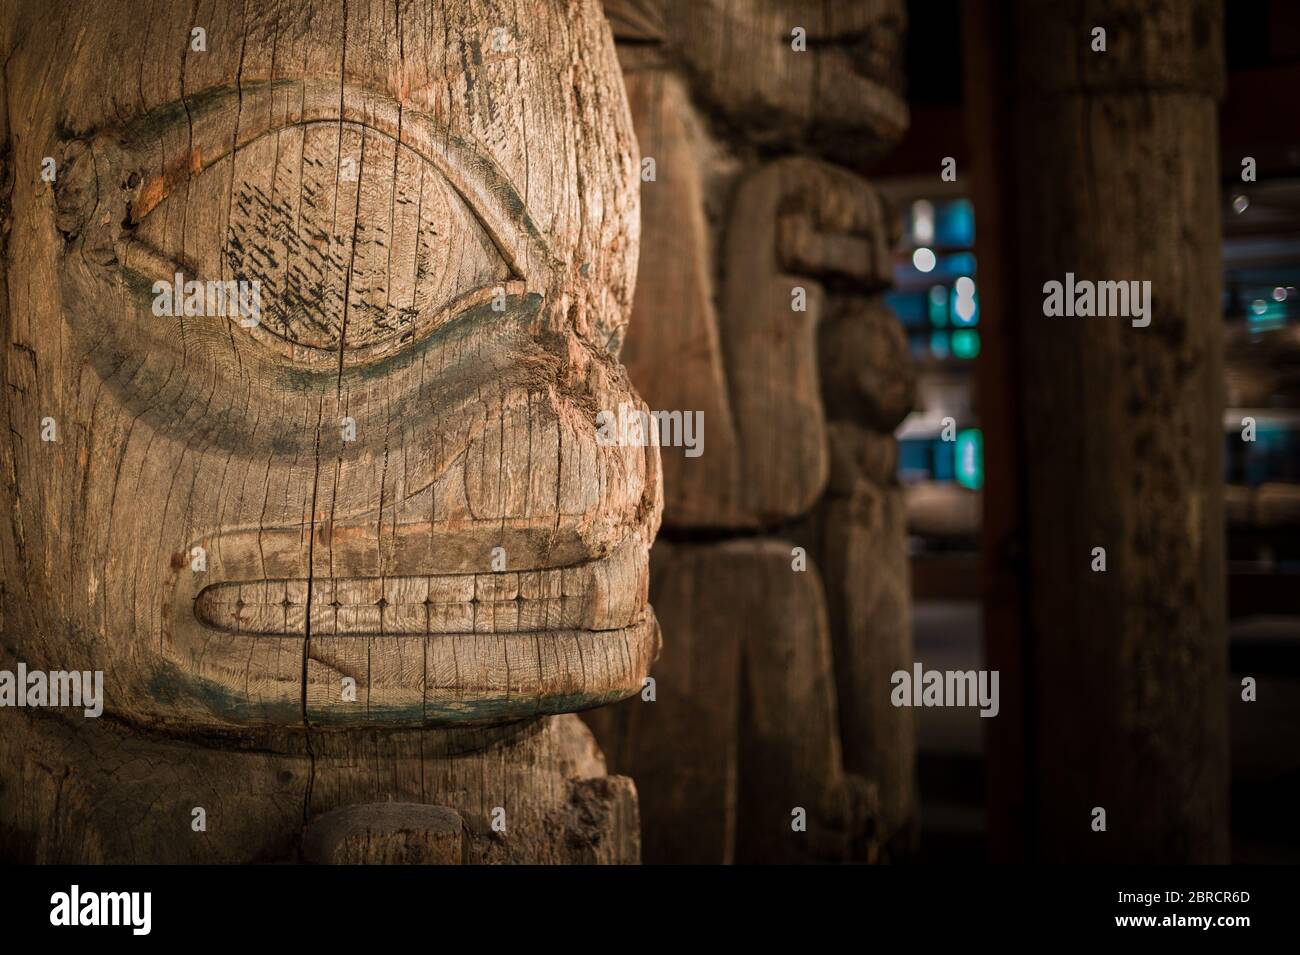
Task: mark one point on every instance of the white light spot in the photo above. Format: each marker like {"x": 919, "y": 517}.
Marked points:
{"x": 923, "y": 222}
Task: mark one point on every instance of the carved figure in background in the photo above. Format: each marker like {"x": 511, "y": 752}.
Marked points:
{"x": 782, "y": 580}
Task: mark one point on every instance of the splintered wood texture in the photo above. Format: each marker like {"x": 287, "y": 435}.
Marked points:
{"x": 744, "y": 728}
{"x": 341, "y": 225}
{"x": 125, "y": 798}
{"x": 386, "y": 834}
{"x": 1118, "y": 173}
{"x": 438, "y": 203}
{"x": 750, "y": 363}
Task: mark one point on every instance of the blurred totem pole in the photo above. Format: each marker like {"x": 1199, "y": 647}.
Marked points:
{"x": 781, "y": 577}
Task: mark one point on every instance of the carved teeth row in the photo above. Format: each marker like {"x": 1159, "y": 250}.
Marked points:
{"x": 602, "y": 595}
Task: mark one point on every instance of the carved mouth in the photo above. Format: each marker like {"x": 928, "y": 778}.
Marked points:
{"x": 446, "y": 648}
{"x": 594, "y": 596}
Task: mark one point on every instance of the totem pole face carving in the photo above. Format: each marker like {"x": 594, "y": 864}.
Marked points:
{"x": 324, "y": 321}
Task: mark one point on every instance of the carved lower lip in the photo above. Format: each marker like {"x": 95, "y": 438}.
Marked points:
{"x": 560, "y": 599}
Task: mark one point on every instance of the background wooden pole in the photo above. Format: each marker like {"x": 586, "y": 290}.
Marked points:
{"x": 1116, "y": 163}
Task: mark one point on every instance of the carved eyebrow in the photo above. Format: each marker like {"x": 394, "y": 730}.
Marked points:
{"x": 211, "y": 125}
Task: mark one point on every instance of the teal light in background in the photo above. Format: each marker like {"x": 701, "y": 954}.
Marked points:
{"x": 966, "y": 343}
{"x": 969, "y": 458}
{"x": 939, "y": 344}
{"x": 938, "y": 302}
{"x": 957, "y": 264}
{"x": 955, "y": 223}
{"x": 1266, "y": 315}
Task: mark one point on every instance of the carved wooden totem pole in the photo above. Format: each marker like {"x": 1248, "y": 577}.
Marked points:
{"x": 770, "y": 736}
{"x": 309, "y": 311}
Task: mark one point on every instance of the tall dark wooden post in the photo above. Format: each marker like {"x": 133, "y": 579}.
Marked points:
{"x": 1117, "y": 178}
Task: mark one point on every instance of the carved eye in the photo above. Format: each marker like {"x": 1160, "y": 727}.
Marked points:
{"x": 360, "y": 232}
{"x": 349, "y": 236}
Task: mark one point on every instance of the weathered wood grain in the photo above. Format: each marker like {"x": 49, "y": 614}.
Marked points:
{"x": 791, "y": 756}
{"x": 1119, "y": 180}
{"x": 744, "y": 212}
{"x": 743, "y": 727}
{"x": 97, "y": 792}
{"x": 841, "y": 96}
{"x": 386, "y": 833}
{"x": 392, "y": 477}
{"x": 861, "y": 538}
{"x": 680, "y": 743}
